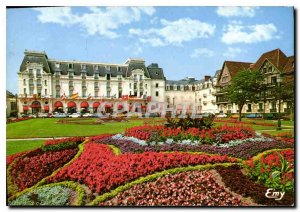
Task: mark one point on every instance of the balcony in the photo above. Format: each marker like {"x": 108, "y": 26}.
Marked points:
{"x": 71, "y": 87}
{"x": 57, "y": 87}
{"x": 84, "y": 87}
{"x": 135, "y": 80}
{"x": 39, "y": 85}
{"x": 108, "y": 89}
{"x": 31, "y": 85}
{"x": 31, "y": 76}
{"x": 71, "y": 76}
{"x": 38, "y": 76}
{"x": 96, "y": 88}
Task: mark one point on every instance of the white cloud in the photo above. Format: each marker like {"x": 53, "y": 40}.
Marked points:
{"x": 236, "y": 33}
{"x": 202, "y": 52}
{"x": 135, "y": 49}
{"x": 174, "y": 32}
{"x": 236, "y": 11}
{"x": 232, "y": 52}
{"x": 97, "y": 21}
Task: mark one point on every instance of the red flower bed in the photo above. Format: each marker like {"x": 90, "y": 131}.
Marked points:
{"x": 101, "y": 170}
{"x": 98, "y": 137}
{"x": 287, "y": 137}
{"x": 221, "y": 134}
{"x": 63, "y": 140}
{"x": 31, "y": 169}
{"x": 195, "y": 188}
{"x": 275, "y": 169}
{"x": 18, "y": 120}
{"x": 11, "y": 158}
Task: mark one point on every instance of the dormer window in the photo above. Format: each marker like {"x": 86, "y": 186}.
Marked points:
{"x": 96, "y": 67}
{"x": 107, "y": 68}
{"x": 119, "y": 68}
{"x": 83, "y": 66}
{"x": 57, "y": 65}
{"x": 70, "y": 66}
{"x": 156, "y": 73}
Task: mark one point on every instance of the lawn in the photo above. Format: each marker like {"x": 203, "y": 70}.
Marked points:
{"x": 43, "y": 128}
{"x": 16, "y": 146}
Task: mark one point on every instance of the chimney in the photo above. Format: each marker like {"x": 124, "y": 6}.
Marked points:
{"x": 206, "y": 78}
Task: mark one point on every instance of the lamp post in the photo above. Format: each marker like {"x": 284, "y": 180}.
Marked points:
{"x": 279, "y": 80}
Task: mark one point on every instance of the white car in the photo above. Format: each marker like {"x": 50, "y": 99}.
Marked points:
{"x": 75, "y": 115}
{"x": 42, "y": 115}
{"x": 221, "y": 115}
{"x": 87, "y": 115}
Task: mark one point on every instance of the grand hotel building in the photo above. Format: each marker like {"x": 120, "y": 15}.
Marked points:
{"x": 47, "y": 85}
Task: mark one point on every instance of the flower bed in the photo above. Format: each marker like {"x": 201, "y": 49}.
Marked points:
{"x": 160, "y": 133}
{"x": 101, "y": 170}
{"x": 33, "y": 167}
{"x": 275, "y": 170}
{"x": 61, "y": 144}
{"x": 285, "y": 136}
{"x": 194, "y": 188}
{"x": 243, "y": 151}
{"x": 17, "y": 120}
{"x": 236, "y": 181}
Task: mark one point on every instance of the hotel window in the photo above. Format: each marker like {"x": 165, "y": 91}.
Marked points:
{"x": 83, "y": 93}
{"x": 108, "y": 77}
{"x": 156, "y": 85}
{"x": 39, "y": 92}
{"x": 38, "y": 72}
{"x": 108, "y": 94}
{"x": 83, "y": 66}
{"x": 224, "y": 79}
{"x": 45, "y": 91}
{"x": 135, "y": 77}
{"x": 24, "y": 81}
{"x": 70, "y": 92}
{"x": 45, "y": 82}
{"x": 141, "y": 94}
{"x": 38, "y": 82}
{"x": 30, "y": 71}
{"x": 57, "y": 65}
{"x": 96, "y": 93}
{"x": 130, "y": 85}
{"x": 156, "y": 93}
{"x": 24, "y": 90}
{"x": 119, "y": 68}
{"x": 273, "y": 80}
{"x": 96, "y": 67}
{"x": 146, "y": 86}
{"x": 178, "y": 87}
{"x": 264, "y": 70}
{"x": 30, "y": 92}
{"x": 270, "y": 69}
{"x": 70, "y": 66}
{"x": 141, "y": 77}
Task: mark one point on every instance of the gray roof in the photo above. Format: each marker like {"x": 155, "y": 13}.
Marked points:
{"x": 152, "y": 71}
{"x": 9, "y": 94}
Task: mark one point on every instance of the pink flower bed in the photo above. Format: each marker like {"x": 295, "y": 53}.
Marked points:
{"x": 195, "y": 188}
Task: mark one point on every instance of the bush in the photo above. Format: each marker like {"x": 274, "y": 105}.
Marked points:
{"x": 186, "y": 123}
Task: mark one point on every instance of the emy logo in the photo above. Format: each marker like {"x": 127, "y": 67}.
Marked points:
{"x": 272, "y": 194}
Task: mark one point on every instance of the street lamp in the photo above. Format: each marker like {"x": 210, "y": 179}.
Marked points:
{"x": 279, "y": 80}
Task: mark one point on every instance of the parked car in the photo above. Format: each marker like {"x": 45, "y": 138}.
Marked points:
{"x": 87, "y": 115}
{"x": 253, "y": 115}
{"x": 59, "y": 115}
{"x": 75, "y": 115}
{"x": 221, "y": 115}
{"x": 42, "y": 115}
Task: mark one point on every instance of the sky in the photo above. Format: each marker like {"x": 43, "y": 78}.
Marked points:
{"x": 184, "y": 41}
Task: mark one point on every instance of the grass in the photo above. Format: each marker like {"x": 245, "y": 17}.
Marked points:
{"x": 43, "y": 128}
{"x": 16, "y": 146}
{"x": 275, "y": 133}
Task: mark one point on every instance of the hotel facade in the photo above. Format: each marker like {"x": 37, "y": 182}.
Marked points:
{"x": 47, "y": 85}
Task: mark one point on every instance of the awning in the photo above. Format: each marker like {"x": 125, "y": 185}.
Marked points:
{"x": 84, "y": 104}
{"x": 35, "y": 105}
{"x": 58, "y": 104}
{"x": 46, "y": 107}
{"x": 108, "y": 105}
{"x": 96, "y": 104}
{"x": 25, "y": 108}
{"x": 71, "y": 104}
{"x": 120, "y": 107}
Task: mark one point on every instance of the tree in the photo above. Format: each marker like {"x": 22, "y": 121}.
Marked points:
{"x": 245, "y": 86}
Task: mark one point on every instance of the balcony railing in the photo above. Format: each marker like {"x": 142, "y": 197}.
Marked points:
{"x": 31, "y": 85}
{"x": 31, "y": 76}
{"x": 39, "y": 85}
{"x": 84, "y": 87}
{"x": 38, "y": 76}
{"x": 96, "y": 87}
{"x": 71, "y": 87}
